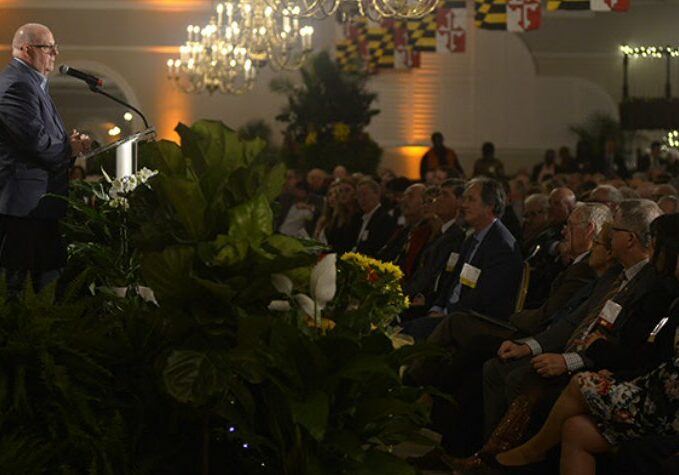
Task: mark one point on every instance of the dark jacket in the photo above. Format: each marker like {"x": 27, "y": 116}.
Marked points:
{"x": 376, "y": 234}
{"x": 35, "y": 150}
{"x": 499, "y": 259}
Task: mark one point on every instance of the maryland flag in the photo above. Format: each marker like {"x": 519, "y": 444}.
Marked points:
{"x": 380, "y": 46}
{"x": 491, "y": 14}
{"x": 351, "y": 50}
{"x": 610, "y": 5}
{"x": 523, "y": 15}
{"x": 451, "y": 27}
{"x": 422, "y": 33}
{"x": 570, "y": 5}
{"x": 406, "y": 56}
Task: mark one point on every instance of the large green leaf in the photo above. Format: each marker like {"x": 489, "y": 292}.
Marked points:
{"x": 168, "y": 272}
{"x": 252, "y": 220}
{"x": 189, "y": 376}
{"x": 275, "y": 179}
{"x": 186, "y": 197}
{"x": 312, "y": 413}
{"x": 167, "y": 157}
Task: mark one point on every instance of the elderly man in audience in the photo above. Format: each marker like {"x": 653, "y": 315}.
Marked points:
{"x": 535, "y": 220}
{"x": 406, "y": 244}
{"x": 543, "y": 256}
{"x": 443, "y": 252}
{"x": 606, "y": 194}
{"x": 377, "y": 225}
{"x": 606, "y": 331}
{"x": 487, "y": 273}
{"x": 471, "y": 340}
{"x": 669, "y": 204}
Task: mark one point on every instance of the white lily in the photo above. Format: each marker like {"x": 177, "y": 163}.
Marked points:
{"x": 322, "y": 283}
{"x": 279, "y": 305}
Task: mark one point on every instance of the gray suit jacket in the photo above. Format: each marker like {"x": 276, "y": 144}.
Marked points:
{"x": 35, "y": 150}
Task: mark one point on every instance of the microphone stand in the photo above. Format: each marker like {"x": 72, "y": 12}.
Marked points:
{"x": 95, "y": 88}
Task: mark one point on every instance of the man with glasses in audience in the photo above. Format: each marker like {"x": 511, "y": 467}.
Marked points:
{"x": 36, "y": 154}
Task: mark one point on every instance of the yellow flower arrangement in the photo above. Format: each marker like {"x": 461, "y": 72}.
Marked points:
{"x": 368, "y": 263}
{"x": 341, "y": 132}
{"x": 311, "y": 138}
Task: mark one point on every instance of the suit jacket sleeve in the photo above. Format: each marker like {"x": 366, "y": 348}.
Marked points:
{"x": 21, "y": 118}
{"x": 554, "y": 338}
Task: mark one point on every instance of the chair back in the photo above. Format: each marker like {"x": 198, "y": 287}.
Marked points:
{"x": 523, "y": 288}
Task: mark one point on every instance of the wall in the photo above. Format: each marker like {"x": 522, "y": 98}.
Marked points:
{"x": 519, "y": 91}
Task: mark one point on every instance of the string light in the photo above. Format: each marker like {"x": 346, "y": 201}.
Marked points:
{"x": 651, "y": 52}
{"x": 673, "y": 138}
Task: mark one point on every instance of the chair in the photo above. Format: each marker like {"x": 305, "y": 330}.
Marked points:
{"x": 523, "y": 288}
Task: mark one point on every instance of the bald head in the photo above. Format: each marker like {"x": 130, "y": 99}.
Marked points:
{"x": 34, "y": 44}
{"x": 561, "y": 202}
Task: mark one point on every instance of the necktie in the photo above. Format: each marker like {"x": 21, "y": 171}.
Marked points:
{"x": 587, "y": 324}
{"x": 457, "y": 290}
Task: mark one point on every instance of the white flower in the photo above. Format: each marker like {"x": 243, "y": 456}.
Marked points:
{"x": 279, "y": 305}
{"x": 144, "y": 174}
{"x": 147, "y": 295}
{"x": 309, "y": 307}
{"x": 323, "y": 280}
{"x": 119, "y": 202}
{"x": 282, "y": 283}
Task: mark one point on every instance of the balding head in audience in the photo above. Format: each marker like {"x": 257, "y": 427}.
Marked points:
{"x": 662, "y": 190}
{"x": 669, "y": 204}
{"x": 561, "y": 203}
{"x": 535, "y": 215}
{"x": 607, "y": 195}
{"x": 412, "y": 204}
{"x": 584, "y": 224}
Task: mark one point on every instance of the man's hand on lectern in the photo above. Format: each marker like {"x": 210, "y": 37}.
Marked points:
{"x": 80, "y": 143}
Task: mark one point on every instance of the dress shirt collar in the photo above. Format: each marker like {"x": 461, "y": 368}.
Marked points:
{"x": 634, "y": 270}
{"x": 580, "y": 257}
{"x": 368, "y": 215}
{"x": 446, "y": 226}
{"x": 482, "y": 234}
{"x": 42, "y": 79}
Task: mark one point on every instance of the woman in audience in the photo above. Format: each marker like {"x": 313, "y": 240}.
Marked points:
{"x": 327, "y": 213}
{"x": 341, "y": 230}
{"x": 599, "y": 410}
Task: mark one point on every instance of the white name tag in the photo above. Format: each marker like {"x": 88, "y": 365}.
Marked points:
{"x": 452, "y": 261}
{"x": 656, "y": 330}
{"x": 609, "y": 314}
{"x": 470, "y": 275}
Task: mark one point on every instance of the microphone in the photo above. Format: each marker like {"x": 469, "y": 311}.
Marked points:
{"x": 93, "y": 81}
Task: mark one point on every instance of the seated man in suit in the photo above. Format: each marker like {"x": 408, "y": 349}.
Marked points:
{"x": 471, "y": 340}
{"x": 377, "y": 226}
{"x": 443, "y": 252}
{"x": 36, "y": 154}
{"x": 608, "y": 331}
{"x": 486, "y": 277}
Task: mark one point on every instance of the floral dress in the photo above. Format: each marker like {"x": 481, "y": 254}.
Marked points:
{"x": 647, "y": 405}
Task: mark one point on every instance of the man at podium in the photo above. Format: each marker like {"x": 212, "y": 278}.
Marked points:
{"x": 36, "y": 153}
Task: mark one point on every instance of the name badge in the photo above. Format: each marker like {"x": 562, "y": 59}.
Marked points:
{"x": 609, "y": 314}
{"x": 452, "y": 261}
{"x": 469, "y": 275}
{"x": 364, "y": 236}
{"x": 656, "y": 330}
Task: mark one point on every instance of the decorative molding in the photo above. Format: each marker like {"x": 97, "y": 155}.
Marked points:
{"x": 153, "y": 5}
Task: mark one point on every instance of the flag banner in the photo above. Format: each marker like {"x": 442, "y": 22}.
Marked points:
{"x": 568, "y": 5}
{"x": 405, "y": 54}
{"x": 523, "y": 15}
{"x": 351, "y": 49}
{"x": 451, "y": 27}
{"x": 380, "y": 47}
{"x": 610, "y": 5}
{"x": 422, "y": 33}
{"x": 491, "y": 14}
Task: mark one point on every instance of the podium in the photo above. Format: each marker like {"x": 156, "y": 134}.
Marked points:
{"x": 126, "y": 151}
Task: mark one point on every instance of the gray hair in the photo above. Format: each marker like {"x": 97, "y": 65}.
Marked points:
{"x": 637, "y": 215}
{"x": 596, "y": 213}
{"x": 492, "y": 194}
{"x": 370, "y": 183}
{"x": 614, "y": 195}
{"x": 541, "y": 199}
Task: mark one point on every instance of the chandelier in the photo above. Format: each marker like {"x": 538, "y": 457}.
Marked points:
{"x": 242, "y": 38}
{"x": 373, "y": 9}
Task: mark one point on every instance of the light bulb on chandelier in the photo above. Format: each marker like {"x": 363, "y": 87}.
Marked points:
{"x": 243, "y": 37}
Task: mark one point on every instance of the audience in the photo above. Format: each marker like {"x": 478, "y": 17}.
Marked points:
{"x": 520, "y": 269}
